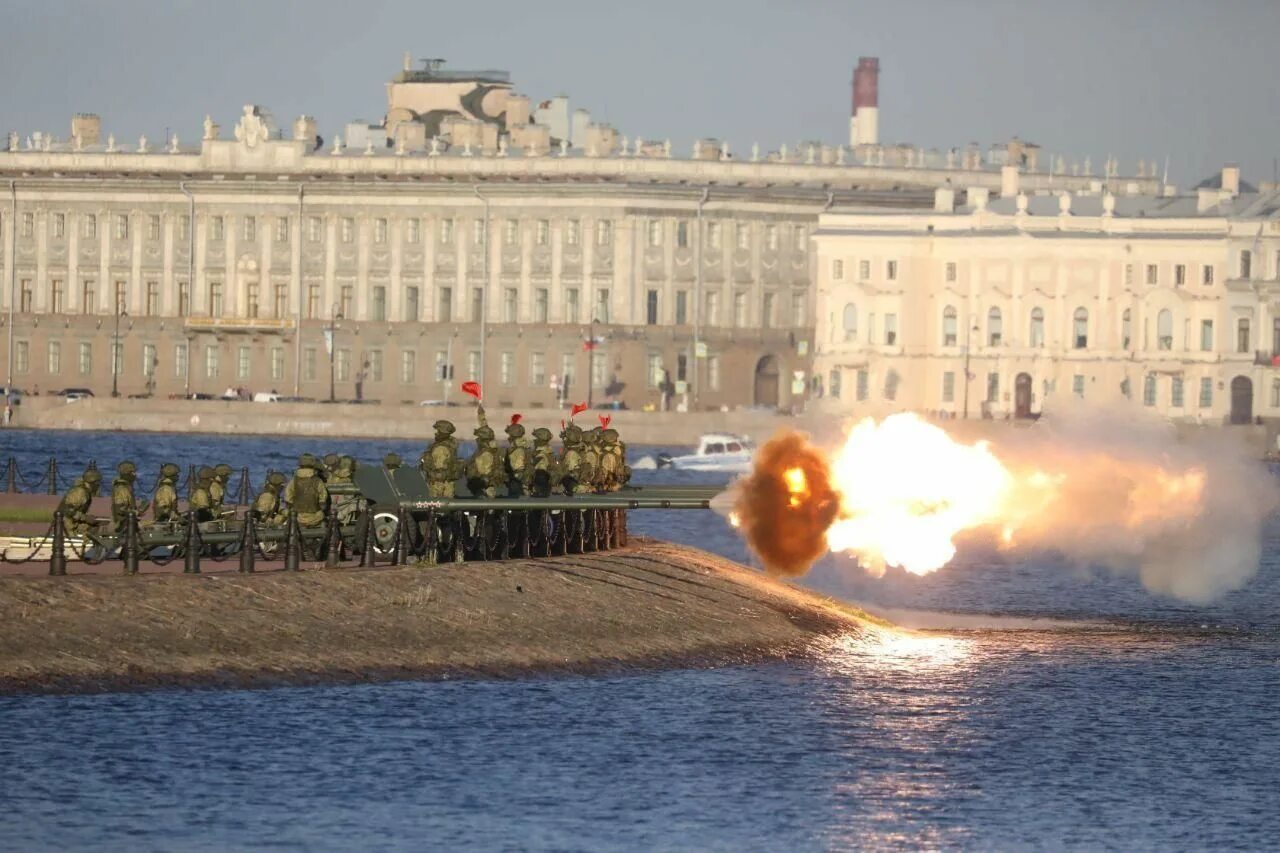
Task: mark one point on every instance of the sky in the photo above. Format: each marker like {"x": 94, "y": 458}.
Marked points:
{"x": 1194, "y": 82}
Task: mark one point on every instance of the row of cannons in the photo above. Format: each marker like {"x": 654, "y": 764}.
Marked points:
{"x": 383, "y": 516}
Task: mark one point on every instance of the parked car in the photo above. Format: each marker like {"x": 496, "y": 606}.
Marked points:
{"x": 266, "y": 397}
{"x": 73, "y": 394}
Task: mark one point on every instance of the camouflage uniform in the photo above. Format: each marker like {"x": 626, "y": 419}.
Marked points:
{"x": 201, "y": 502}
{"x": 165, "y": 505}
{"x": 484, "y": 469}
{"x": 517, "y": 464}
{"x": 306, "y": 493}
{"x": 613, "y": 464}
{"x": 344, "y": 471}
{"x": 571, "y": 474}
{"x": 591, "y": 456}
{"x": 391, "y": 461}
{"x": 218, "y": 488}
{"x": 122, "y": 499}
{"x": 440, "y": 464}
{"x": 330, "y": 467}
{"x": 75, "y": 504}
{"x": 266, "y": 506}
{"x": 542, "y": 468}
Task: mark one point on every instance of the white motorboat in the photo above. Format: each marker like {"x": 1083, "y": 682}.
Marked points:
{"x": 716, "y": 452}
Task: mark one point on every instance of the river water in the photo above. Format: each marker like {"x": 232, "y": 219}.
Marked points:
{"x": 1054, "y": 708}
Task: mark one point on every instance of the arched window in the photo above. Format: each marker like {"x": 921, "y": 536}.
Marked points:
{"x": 949, "y": 338}
{"x": 1164, "y": 329}
{"x": 1036, "y": 338}
{"x": 1126, "y": 328}
{"x": 994, "y": 327}
{"x": 850, "y": 322}
{"x": 1080, "y": 329}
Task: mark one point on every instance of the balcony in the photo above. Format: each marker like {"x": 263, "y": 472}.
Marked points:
{"x": 1266, "y": 359}
{"x": 238, "y": 324}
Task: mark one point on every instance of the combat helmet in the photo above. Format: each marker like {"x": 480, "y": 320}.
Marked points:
{"x": 331, "y": 461}
{"x": 306, "y": 460}
{"x": 222, "y": 471}
{"x": 542, "y": 435}
{"x": 391, "y": 461}
{"x": 515, "y": 430}
{"x": 484, "y": 433}
{"x": 169, "y": 471}
{"x": 572, "y": 434}
{"x": 609, "y": 436}
{"x": 92, "y": 477}
{"x": 127, "y": 470}
{"x": 275, "y": 479}
{"x": 205, "y": 474}
{"x": 444, "y": 427}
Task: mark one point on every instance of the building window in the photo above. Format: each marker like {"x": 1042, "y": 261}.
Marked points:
{"x": 411, "y": 311}
{"x": 89, "y": 226}
{"x": 117, "y": 358}
{"x": 949, "y": 331}
{"x": 771, "y": 238}
{"x": 1077, "y": 385}
{"x": 58, "y": 225}
{"x": 412, "y": 231}
{"x": 948, "y": 386}
{"x": 378, "y": 308}
{"x": 122, "y": 226}
{"x": 1242, "y": 335}
{"x": 651, "y": 308}
{"x": 541, "y": 304}
{"x": 28, "y": 224}
{"x": 477, "y": 304}
{"x": 242, "y": 363}
{"x": 511, "y": 232}
{"x": 282, "y": 229}
{"x": 510, "y": 304}
{"x": 571, "y": 305}
{"x": 602, "y": 305}
{"x": 743, "y": 235}
{"x": 712, "y": 315}
{"x": 766, "y": 311}
{"x": 215, "y": 228}
{"x": 373, "y": 365}
{"x": 88, "y": 301}
{"x": 837, "y": 270}
{"x": 566, "y": 372}
{"x": 211, "y": 362}
{"x": 313, "y": 301}
{"x": 993, "y": 387}
{"x": 55, "y": 357}
{"x": 215, "y": 299}
{"x": 1175, "y": 392}
{"x": 850, "y": 322}
{"x": 1180, "y": 274}
{"x": 1149, "y": 390}
{"x": 342, "y": 365}
{"x": 542, "y": 232}
{"x": 121, "y": 297}
{"x": 315, "y": 228}
{"x": 408, "y": 366}
{"x": 1246, "y": 263}
{"x": 799, "y": 310}
{"x": 1164, "y": 329}
{"x": 864, "y": 270}
{"x": 251, "y": 308}
{"x": 444, "y": 310}
{"x": 22, "y": 356}
{"x": 890, "y": 329}
{"x": 507, "y": 368}
{"x": 1206, "y": 336}
{"x": 86, "y": 359}
{"x": 713, "y": 235}
{"x": 1126, "y": 329}
{"x": 347, "y": 301}
{"x": 446, "y": 230}
{"x": 26, "y": 297}
{"x": 1206, "y": 393}
{"x": 180, "y": 361}
{"x": 891, "y": 270}
{"x": 1153, "y": 274}
{"x": 604, "y": 232}
{"x": 572, "y": 232}
{"x": 800, "y": 235}
{"x": 153, "y": 299}
{"x": 281, "y": 302}
{"x": 863, "y": 385}
{"x": 309, "y": 364}
{"x": 1206, "y": 274}
{"x": 348, "y": 234}
{"x": 713, "y": 372}
{"x": 1036, "y": 333}
{"x": 654, "y": 373}
{"x": 1128, "y": 273}
{"x": 1080, "y": 323}
{"x": 380, "y": 230}
{"x": 473, "y": 365}
{"x": 682, "y": 367}
{"x": 740, "y": 310}
{"x": 951, "y": 271}
{"x": 995, "y": 327}
{"x": 537, "y": 369}
{"x": 184, "y": 299}
{"x": 250, "y": 230}
{"x": 277, "y": 363}
{"x": 682, "y": 234}
{"x": 655, "y": 233}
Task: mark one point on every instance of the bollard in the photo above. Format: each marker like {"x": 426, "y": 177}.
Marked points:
{"x": 58, "y": 554}
{"x": 248, "y": 544}
{"x": 243, "y": 498}
{"x": 367, "y": 556}
{"x": 129, "y": 552}
{"x": 292, "y": 543}
{"x": 51, "y": 474}
{"x": 332, "y": 540}
{"x": 11, "y": 476}
{"x": 400, "y": 555}
{"x": 523, "y": 542}
{"x": 191, "y": 559}
{"x": 191, "y": 481}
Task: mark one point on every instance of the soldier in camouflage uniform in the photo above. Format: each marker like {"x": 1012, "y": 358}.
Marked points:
{"x": 591, "y": 452}
{"x": 330, "y": 466}
{"x": 201, "y": 502}
{"x": 543, "y": 465}
{"x": 391, "y": 461}
{"x": 75, "y": 504}
{"x": 218, "y": 488}
{"x": 164, "y": 506}
{"x": 344, "y": 471}
{"x": 517, "y": 462}
{"x": 613, "y": 464}
{"x": 440, "y": 464}
{"x": 306, "y": 493}
{"x": 122, "y": 499}
{"x": 571, "y": 474}
{"x": 266, "y": 506}
{"x": 484, "y": 469}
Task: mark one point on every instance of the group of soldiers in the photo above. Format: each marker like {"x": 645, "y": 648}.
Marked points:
{"x": 589, "y": 461}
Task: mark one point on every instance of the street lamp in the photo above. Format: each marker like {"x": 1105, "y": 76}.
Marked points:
{"x": 334, "y": 316}
{"x": 115, "y": 351}
{"x": 968, "y": 337}
{"x": 591, "y": 358}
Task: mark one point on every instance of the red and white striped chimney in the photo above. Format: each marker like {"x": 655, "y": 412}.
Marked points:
{"x": 864, "y": 124}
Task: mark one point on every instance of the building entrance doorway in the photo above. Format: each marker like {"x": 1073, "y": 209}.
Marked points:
{"x": 1241, "y": 400}
{"x": 1022, "y": 396}
{"x": 767, "y": 382}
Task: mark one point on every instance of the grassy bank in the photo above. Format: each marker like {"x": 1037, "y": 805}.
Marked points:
{"x": 652, "y": 604}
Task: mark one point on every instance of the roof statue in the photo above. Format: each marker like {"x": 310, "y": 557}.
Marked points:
{"x": 252, "y": 127}
{"x": 142, "y": 145}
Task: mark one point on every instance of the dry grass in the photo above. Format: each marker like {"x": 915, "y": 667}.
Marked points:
{"x": 651, "y": 604}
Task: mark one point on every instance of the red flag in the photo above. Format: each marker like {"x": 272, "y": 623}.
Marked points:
{"x": 515, "y": 419}
{"x": 604, "y": 421}
{"x": 562, "y": 424}
{"x": 472, "y": 388}
{"x": 587, "y": 346}
{"x": 577, "y": 408}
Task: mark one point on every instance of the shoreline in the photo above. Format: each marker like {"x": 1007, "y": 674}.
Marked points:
{"x": 649, "y": 606}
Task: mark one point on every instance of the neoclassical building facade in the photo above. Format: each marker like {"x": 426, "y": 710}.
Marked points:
{"x": 989, "y": 307}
